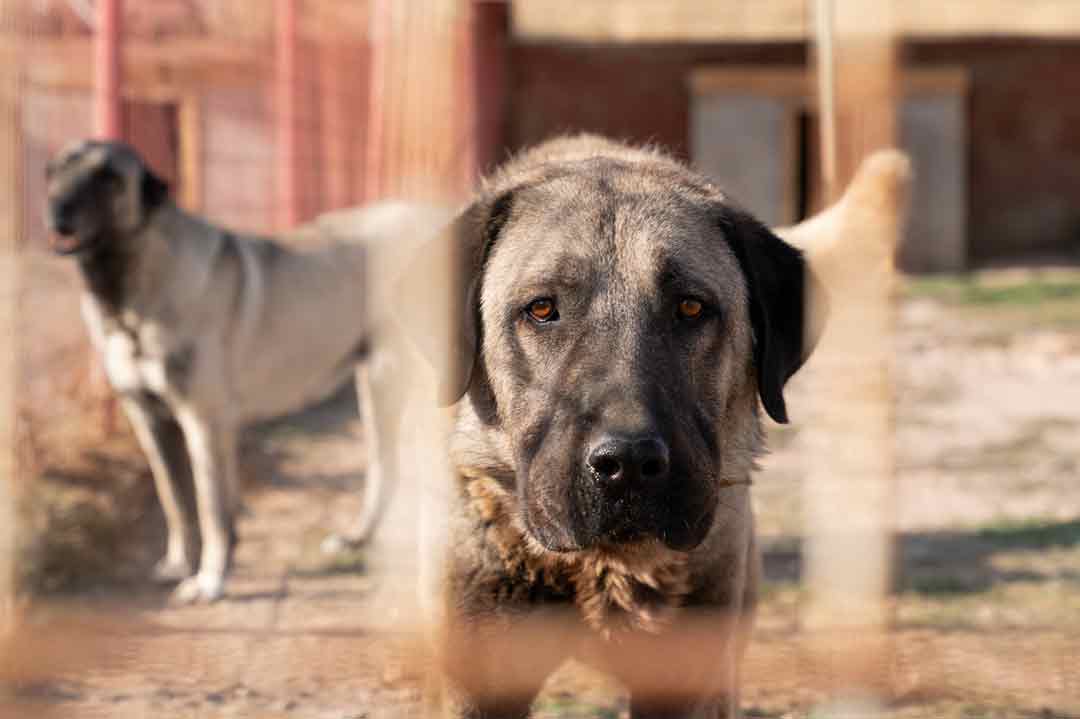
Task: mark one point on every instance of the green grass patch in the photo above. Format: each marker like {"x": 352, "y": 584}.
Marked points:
{"x": 940, "y": 585}
{"x": 971, "y": 290}
{"x": 1032, "y": 533}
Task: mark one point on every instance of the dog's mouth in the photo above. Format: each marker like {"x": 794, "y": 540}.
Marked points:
{"x": 71, "y": 244}
{"x": 678, "y": 518}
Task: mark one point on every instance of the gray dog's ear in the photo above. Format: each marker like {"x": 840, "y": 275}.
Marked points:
{"x": 152, "y": 190}
{"x": 777, "y": 278}
{"x": 440, "y": 290}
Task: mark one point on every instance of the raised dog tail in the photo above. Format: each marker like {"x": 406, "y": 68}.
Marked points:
{"x": 858, "y": 233}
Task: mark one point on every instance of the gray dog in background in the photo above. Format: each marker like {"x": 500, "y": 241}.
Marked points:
{"x": 616, "y": 320}
{"x": 201, "y": 330}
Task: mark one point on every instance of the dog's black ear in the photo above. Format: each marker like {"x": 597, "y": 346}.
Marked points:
{"x": 440, "y": 290}
{"x": 153, "y": 190}
{"x": 777, "y": 278}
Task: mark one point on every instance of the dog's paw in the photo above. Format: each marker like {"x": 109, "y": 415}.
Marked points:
{"x": 201, "y": 588}
{"x": 171, "y": 571}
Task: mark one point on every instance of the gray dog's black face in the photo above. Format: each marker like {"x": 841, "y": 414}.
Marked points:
{"x": 620, "y": 321}
{"x": 97, "y": 192}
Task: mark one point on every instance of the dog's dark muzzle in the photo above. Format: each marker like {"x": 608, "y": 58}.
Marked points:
{"x": 60, "y": 220}
{"x": 621, "y": 489}
{"x": 632, "y": 487}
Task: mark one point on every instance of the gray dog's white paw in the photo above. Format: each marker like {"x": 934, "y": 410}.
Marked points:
{"x": 170, "y": 571}
{"x": 199, "y": 589}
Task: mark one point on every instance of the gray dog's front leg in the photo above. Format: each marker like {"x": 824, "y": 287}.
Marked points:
{"x": 163, "y": 442}
{"x": 212, "y": 447}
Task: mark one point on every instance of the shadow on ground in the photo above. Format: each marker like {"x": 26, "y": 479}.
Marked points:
{"x": 955, "y": 562}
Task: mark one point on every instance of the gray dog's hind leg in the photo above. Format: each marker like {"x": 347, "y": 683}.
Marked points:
{"x": 161, "y": 439}
{"x": 212, "y": 448}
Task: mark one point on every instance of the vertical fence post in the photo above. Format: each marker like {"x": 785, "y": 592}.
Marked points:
{"x": 286, "y": 56}
{"x": 337, "y": 74}
{"x": 466, "y": 88}
{"x": 108, "y": 125}
{"x": 848, "y": 493}
{"x": 10, "y": 197}
{"x": 379, "y": 38}
{"x": 108, "y": 115}
{"x": 489, "y": 27}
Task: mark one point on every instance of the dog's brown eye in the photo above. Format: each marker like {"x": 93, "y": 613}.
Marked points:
{"x": 542, "y": 310}
{"x": 690, "y": 309}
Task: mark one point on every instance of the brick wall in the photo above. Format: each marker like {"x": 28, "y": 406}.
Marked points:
{"x": 638, "y": 93}
{"x": 1024, "y": 120}
{"x": 1024, "y": 130}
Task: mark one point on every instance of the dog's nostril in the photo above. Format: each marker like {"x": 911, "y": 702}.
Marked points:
{"x": 606, "y": 467}
{"x": 629, "y": 459}
{"x": 652, "y": 468}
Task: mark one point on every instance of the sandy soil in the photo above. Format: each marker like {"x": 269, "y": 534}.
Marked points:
{"x": 986, "y": 603}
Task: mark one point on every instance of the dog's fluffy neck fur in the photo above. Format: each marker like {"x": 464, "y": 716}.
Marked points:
{"x": 639, "y": 588}
{"x": 109, "y": 267}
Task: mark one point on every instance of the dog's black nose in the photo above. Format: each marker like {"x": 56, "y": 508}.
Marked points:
{"x": 617, "y": 459}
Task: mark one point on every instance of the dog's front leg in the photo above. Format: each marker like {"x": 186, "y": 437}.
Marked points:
{"x": 493, "y": 667}
{"x": 163, "y": 442}
{"x": 713, "y": 704}
{"x": 690, "y": 671}
{"x": 212, "y": 447}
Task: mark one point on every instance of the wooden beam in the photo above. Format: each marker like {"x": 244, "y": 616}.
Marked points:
{"x": 668, "y": 21}
{"x": 932, "y": 19}
{"x": 190, "y": 129}
{"x": 625, "y": 21}
{"x": 797, "y": 84}
{"x": 174, "y": 65}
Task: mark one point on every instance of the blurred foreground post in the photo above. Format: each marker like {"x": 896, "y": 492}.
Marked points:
{"x": 9, "y": 232}
{"x": 848, "y": 438}
{"x": 108, "y": 125}
{"x": 418, "y": 143}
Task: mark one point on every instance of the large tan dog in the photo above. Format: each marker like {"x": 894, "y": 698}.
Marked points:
{"x": 201, "y": 330}
{"x": 615, "y": 322}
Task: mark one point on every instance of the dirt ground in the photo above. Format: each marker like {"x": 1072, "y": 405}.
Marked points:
{"x": 986, "y": 598}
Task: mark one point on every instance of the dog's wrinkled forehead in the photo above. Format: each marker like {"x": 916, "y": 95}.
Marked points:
{"x": 83, "y": 159}
{"x": 639, "y": 226}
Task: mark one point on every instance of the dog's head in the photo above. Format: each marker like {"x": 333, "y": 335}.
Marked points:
{"x": 98, "y": 192}
{"x": 614, "y": 320}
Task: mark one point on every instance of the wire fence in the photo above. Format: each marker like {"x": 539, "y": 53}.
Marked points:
{"x": 263, "y": 115}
